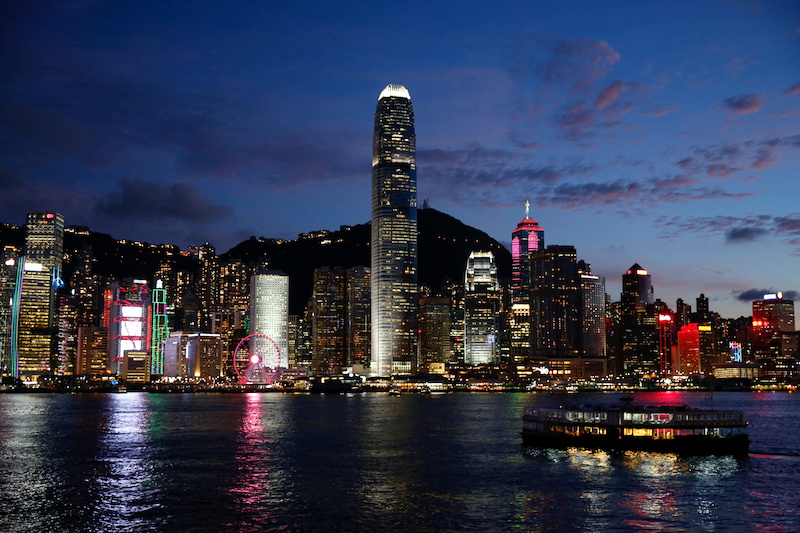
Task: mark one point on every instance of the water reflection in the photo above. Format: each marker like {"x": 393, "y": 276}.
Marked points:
{"x": 648, "y": 491}
{"x": 125, "y": 489}
{"x": 251, "y": 488}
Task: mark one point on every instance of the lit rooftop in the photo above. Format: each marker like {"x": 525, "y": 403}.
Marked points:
{"x": 394, "y": 90}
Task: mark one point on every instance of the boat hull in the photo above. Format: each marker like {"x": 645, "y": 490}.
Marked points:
{"x": 736, "y": 445}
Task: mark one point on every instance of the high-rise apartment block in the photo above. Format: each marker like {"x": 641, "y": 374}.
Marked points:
{"x": 394, "y": 234}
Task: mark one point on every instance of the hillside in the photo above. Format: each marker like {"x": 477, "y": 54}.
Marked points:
{"x": 444, "y": 246}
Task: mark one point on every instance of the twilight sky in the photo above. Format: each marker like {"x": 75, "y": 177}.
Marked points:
{"x": 663, "y": 133}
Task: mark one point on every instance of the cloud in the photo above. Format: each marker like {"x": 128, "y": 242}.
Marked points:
{"x": 609, "y": 94}
{"x": 149, "y": 200}
{"x": 659, "y": 111}
{"x": 726, "y": 160}
{"x": 578, "y": 63}
{"x": 794, "y": 90}
{"x": 784, "y": 229}
{"x": 744, "y": 104}
{"x": 744, "y": 234}
{"x": 752, "y": 295}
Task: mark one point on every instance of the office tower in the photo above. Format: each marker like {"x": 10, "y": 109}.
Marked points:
{"x": 9, "y": 257}
{"x": 193, "y": 355}
{"x": 34, "y": 330}
{"x": 774, "y": 327}
{"x": 556, "y": 301}
{"x": 394, "y": 234}
{"x": 434, "y": 333}
{"x": 92, "y": 350}
{"x": 269, "y": 316}
{"x": 358, "y": 317}
{"x": 696, "y": 349}
{"x": 129, "y": 312}
{"x": 526, "y": 239}
{"x": 136, "y": 367}
{"x": 329, "y": 318}
{"x": 639, "y": 330}
{"x": 159, "y": 328}
{"x": 593, "y": 312}
{"x": 703, "y": 315}
{"x": 481, "y": 310}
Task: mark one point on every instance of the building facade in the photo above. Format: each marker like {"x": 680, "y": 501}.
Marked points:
{"x": 481, "y": 310}
{"x": 526, "y": 239}
{"x": 269, "y": 316}
{"x": 394, "y": 235}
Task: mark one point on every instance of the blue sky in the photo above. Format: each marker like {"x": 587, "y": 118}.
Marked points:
{"x": 660, "y": 133}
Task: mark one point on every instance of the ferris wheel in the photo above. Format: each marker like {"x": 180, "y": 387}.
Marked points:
{"x": 256, "y": 359}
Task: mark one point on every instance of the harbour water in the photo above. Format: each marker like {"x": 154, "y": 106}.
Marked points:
{"x": 142, "y": 462}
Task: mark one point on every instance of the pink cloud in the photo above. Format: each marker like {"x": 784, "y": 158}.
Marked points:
{"x": 794, "y": 90}
{"x": 609, "y": 95}
{"x": 744, "y": 104}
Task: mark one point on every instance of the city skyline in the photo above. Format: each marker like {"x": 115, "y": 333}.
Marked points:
{"x": 664, "y": 135}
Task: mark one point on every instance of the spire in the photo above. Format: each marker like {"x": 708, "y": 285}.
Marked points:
{"x": 527, "y": 209}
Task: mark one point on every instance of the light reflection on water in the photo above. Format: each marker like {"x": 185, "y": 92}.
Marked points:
{"x": 368, "y": 462}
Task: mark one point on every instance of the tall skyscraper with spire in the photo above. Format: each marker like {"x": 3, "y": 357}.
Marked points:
{"x": 394, "y": 234}
{"x": 526, "y": 239}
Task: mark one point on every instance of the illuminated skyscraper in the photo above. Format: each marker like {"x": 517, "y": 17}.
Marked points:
{"x": 34, "y": 346}
{"x": 329, "y": 319}
{"x": 434, "y": 333}
{"x": 269, "y": 315}
{"x": 394, "y": 234}
{"x": 774, "y": 327}
{"x": 556, "y": 301}
{"x": 129, "y": 313}
{"x": 639, "y": 345}
{"x": 358, "y": 316}
{"x": 481, "y": 310}
{"x": 527, "y": 239}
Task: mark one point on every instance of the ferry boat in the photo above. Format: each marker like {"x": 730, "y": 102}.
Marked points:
{"x": 674, "y": 429}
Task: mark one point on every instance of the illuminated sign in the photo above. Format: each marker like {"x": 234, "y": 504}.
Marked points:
{"x": 770, "y": 296}
{"x": 664, "y": 318}
{"x": 34, "y": 267}
{"x": 704, "y": 328}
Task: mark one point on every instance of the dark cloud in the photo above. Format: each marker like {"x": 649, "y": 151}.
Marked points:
{"x": 738, "y": 229}
{"x": 579, "y": 63}
{"x": 151, "y": 200}
{"x": 794, "y": 90}
{"x": 744, "y": 234}
{"x": 751, "y": 295}
{"x": 744, "y": 104}
{"x": 729, "y": 159}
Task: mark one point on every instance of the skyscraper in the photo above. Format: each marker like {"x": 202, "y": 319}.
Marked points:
{"x": 773, "y": 327}
{"x": 394, "y": 234}
{"x": 481, "y": 310}
{"x": 34, "y": 348}
{"x": 269, "y": 315}
{"x": 526, "y": 239}
{"x": 639, "y": 346}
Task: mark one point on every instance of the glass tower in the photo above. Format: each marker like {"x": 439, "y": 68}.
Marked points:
{"x": 481, "y": 310}
{"x": 394, "y": 234}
